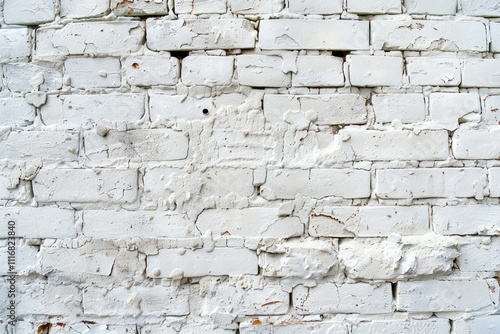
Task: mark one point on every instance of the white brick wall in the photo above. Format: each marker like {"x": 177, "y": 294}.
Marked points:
{"x": 250, "y": 166}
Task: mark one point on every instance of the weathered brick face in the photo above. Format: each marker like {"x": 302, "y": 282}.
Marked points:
{"x": 250, "y": 166}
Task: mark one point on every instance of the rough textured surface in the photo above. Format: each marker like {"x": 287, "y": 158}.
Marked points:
{"x": 250, "y": 166}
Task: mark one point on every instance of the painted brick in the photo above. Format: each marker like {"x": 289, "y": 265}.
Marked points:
{"x": 491, "y": 108}
{"x": 43, "y": 222}
{"x": 93, "y": 72}
{"x": 374, "y": 7}
{"x": 444, "y": 7}
{"x": 316, "y": 183}
{"x": 309, "y": 327}
{"x": 467, "y": 219}
{"x": 85, "y": 185}
{"x": 15, "y": 44}
{"x": 136, "y": 145}
{"x": 294, "y": 35}
{"x": 426, "y": 71}
{"x": 139, "y": 8}
{"x": 249, "y": 222}
{"x": 488, "y": 8}
{"x": 407, "y": 108}
{"x": 207, "y": 71}
{"x": 428, "y": 35}
{"x": 74, "y": 261}
{"x": 403, "y": 327}
{"x": 481, "y": 73}
{"x": 476, "y": 144}
{"x": 347, "y": 298}
{"x": 44, "y": 145}
{"x": 494, "y": 177}
{"x": 315, "y": 7}
{"x": 75, "y": 110}
{"x": 147, "y": 300}
{"x": 48, "y": 299}
{"x": 370, "y": 71}
{"x": 368, "y": 221}
{"x": 439, "y": 182}
{"x": 194, "y": 263}
{"x": 318, "y": 71}
{"x": 328, "y": 109}
{"x": 107, "y": 38}
{"x": 76, "y": 9}
{"x": 26, "y": 260}
{"x": 451, "y": 108}
{"x": 482, "y": 324}
{"x": 255, "y": 6}
{"x": 29, "y": 12}
{"x": 495, "y": 37}
{"x": 200, "y": 6}
{"x": 15, "y": 111}
{"x": 152, "y": 70}
{"x": 480, "y": 255}
{"x": 23, "y": 77}
{"x": 447, "y": 296}
{"x": 109, "y": 224}
{"x": 261, "y": 71}
{"x": 189, "y": 34}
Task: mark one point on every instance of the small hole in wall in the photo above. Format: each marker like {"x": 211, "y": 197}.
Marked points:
{"x": 205, "y": 111}
{"x": 341, "y": 54}
{"x": 179, "y": 54}
{"x": 135, "y": 65}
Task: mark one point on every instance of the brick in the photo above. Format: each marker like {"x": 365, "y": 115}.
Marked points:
{"x": 478, "y": 325}
{"x": 136, "y": 145}
{"x": 369, "y": 221}
{"x": 447, "y": 296}
{"x": 85, "y": 185}
{"x": 479, "y": 255}
{"x": 139, "y": 7}
{"x": 488, "y": 8}
{"x": 407, "y": 108}
{"x": 29, "y": 12}
{"x": 29, "y": 77}
{"x": 420, "y": 35}
{"x": 190, "y": 34}
{"x": 81, "y": 109}
{"x": 74, "y": 261}
{"x": 285, "y": 34}
{"x": 190, "y": 108}
{"x": 329, "y": 109}
{"x": 308, "y": 259}
{"x": 44, "y": 145}
{"x": 13, "y": 188}
{"x": 495, "y": 37}
{"x": 467, "y": 219}
{"x": 249, "y": 222}
{"x": 255, "y": 6}
{"x": 396, "y": 145}
{"x": 200, "y": 6}
{"x": 75, "y": 9}
{"x": 110, "y": 224}
{"x": 426, "y": 71}
{"x": 444, "y": 7}
{"x": 316, "y": 183}
{"x": 15, "y": 111}
{"x": 371, "y": 71}
{"x": 347, "y": 298}
{"x": 430, "y": 182}
{"x": 15, "y": 44}
{"x": 410, "y": 258}
{"x": 48, "y": 299}
{"x": 491, "y": 114}
{"x": 156, "y": 300}
{"x": 451, "y": 108}
{"x": 93, "y": 72}
{"x": 107, "y": 38}
{"x": 411, "y": 326}
{"x": 199, "y": 262}
{"x": 268, "y": 300}
{"x": 321, "y": 7}
{"x": 237, "y": 148}
{"x": 494, "y": 177}
{"x": 207, "y": 70}
{"x": 319, "y": 71}
{"x": 374, "y": 7}
{"x": 43, "y": 222}
{"x": 481, "y": 73}
{"x": 26, "y": 259}
{"x": 296, "y": 328}
{"x": 476, "y": 144}
{"x": 261, "y": 71}
{"x": 152, "y": 70}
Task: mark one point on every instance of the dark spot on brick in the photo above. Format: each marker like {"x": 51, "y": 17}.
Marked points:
{"x": 44, "y": 329}
{"x": 256, "y": 322}
{"x": 205, "y": 111}
{"x": 135, "y": 65}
